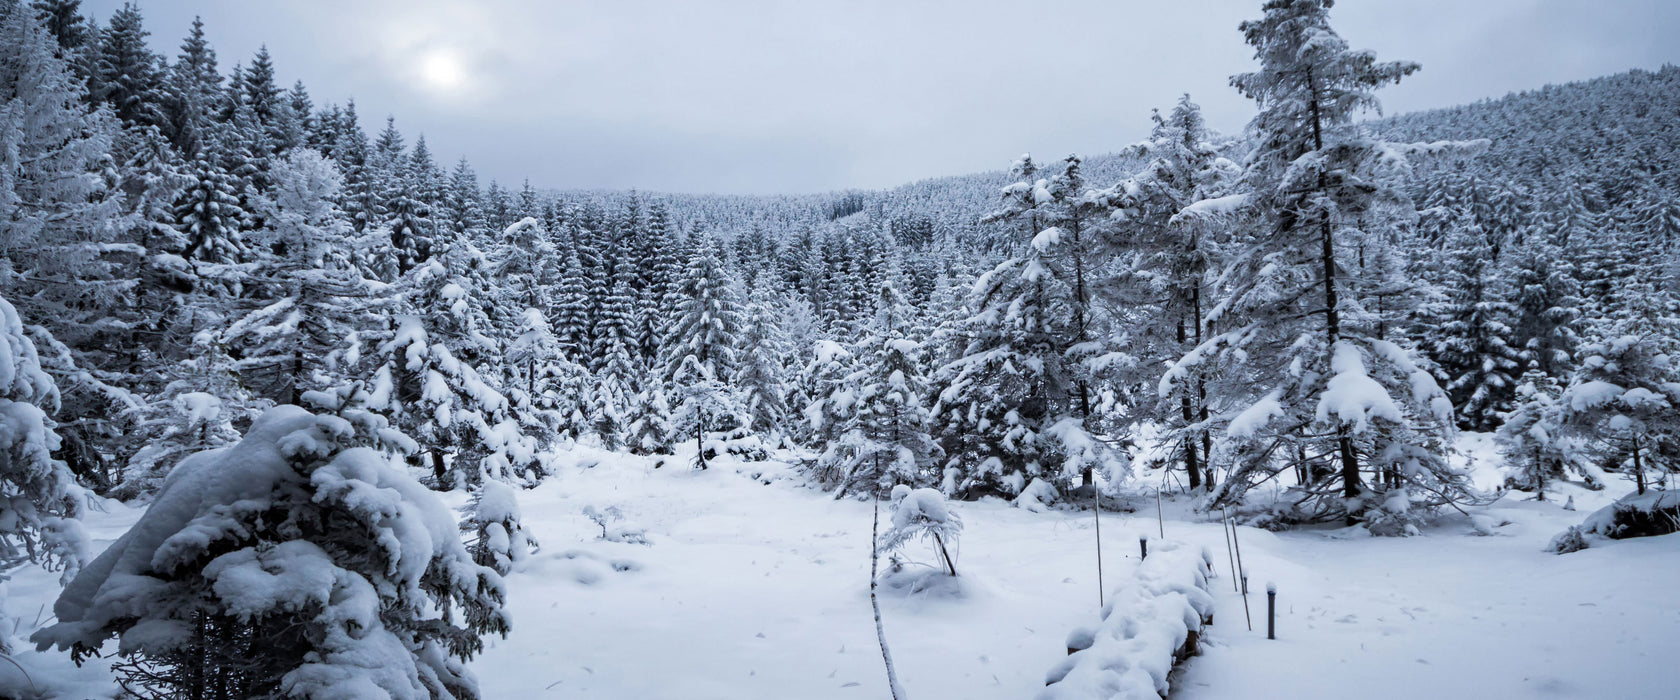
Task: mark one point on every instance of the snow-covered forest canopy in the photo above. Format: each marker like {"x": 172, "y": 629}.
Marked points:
{"x": 290, "y": 337}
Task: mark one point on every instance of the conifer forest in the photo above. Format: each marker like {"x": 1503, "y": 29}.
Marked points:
{"x": 291, "y": 406}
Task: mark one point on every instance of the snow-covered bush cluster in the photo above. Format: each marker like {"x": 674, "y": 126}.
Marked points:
{"x": 923, "y": 514}
{"x": 495, "y": 534}
{"x": 614, "y": 526}
{"x": 1151, "y": 622}
{"x": 301, "y": 561}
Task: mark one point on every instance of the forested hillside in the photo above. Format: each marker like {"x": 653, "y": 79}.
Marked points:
{"x": 1297, "y": 320}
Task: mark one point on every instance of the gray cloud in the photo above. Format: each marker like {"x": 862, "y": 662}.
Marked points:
{"x": 803, "y": 96}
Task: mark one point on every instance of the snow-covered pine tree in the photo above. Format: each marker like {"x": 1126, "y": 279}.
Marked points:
{"x": 209, "y": 212}
{"x": 38, "y": 516}
{"x": 300, "y": 562}
{"x": 496, "y": 536}
{"x": 572, "y": 308}
{"x": 702, "y": 406}
{"x": 1167, "y": 281}
{"x": 426, "y": 380}
{"x": 1469, "y": 331}
{"x": 539, "y": 375}
{"x": 130, "y": 75}
{"x": 1624, "y": 398}
{"x": 707, "y": 326}
{"x": 1531, "y": 438}
{"x": 648, "y": 421}
{"x": 1547, "y": 308}
{"x": 828, "y": 405}
{"x": 303, "y": 336}
{"x": 761, "y": 389}
{"x": 883, "y": 438}
{"x": 1318, "y": 387}
{"x": 1022, "y": 369}
{"x": 605, "y": 413}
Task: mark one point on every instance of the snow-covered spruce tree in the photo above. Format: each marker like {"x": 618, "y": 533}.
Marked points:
{"x": 1295, "y": 348}
{"x": 759, "y": 383}
{"x": 923, "y": 514}
{"x": 300, "y": 562}
{"x": 41, "y": 500}
{"x": 708, "y": 322}
{"x": 303, "y": 335}
{"x": 882, "y": 439}
{"x": 1021, "y": 385}
{"x": 1166, "y": 281}
{"x": 571, "y": 308}
{"x": 194, "y": 422}
{"x": 647, "y": 423}
{"x": 1468, "y": 332}
{"x": 828, "y": 405}
{"x": 703, "y": 405}
{"x": 496, "y": 536}
{"x": 1547, "y": 308}
{"x": 606, "y": 421}
{"x": 1531, "y": 438}
{"x": 130, "y": 75}
{"x": 1625, "y": 399}
{"x": 425, "y": 380}
{"x": 527, "y": 267}
{"x": 541, "y": 379}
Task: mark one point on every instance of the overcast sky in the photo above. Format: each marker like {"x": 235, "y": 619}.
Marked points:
{"x": 812, "y": 95}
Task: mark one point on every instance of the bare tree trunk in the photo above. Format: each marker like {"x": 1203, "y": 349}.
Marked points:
{"x": 1638, "y": 467}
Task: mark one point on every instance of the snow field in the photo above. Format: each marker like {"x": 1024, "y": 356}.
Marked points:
{"x": 750, "y": 589}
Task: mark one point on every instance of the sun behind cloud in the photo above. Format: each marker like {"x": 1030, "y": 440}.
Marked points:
{"x": 442, "y": 71}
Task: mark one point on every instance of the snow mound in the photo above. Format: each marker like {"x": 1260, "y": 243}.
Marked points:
{"x": 1636, "y": 515}
{"x": 1151, "y": 622}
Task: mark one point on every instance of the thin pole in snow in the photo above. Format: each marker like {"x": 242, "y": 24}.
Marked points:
{"x": 1250, "y": 618}
{"x": 1230, "y": 559}
{"x": 1242, "y": 573}
{"x": 1159, "y": 521}
{"x": 1096, "y": 512}
{"x": 880, "y": 632}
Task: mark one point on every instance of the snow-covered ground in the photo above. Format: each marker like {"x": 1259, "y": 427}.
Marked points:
{"x": 749, "y": 589}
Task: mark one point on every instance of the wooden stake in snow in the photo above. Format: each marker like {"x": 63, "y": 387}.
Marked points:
{"x": 880, "y": 632}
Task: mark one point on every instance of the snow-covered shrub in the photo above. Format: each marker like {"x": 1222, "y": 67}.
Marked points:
{"x": 1636, "y": 515}
{"x": 299, "y": 562}
{"x": 1151, "y": 622}
{"x": 1038, "y": 496}
{"x": 497, "y": 538}
{"x": 614, "y": 528}
{"x": 1570, "y": 540}
{"x": 745, "y": 446}
{"x": 39, "y": 498}
{"x": 923, "y": 514}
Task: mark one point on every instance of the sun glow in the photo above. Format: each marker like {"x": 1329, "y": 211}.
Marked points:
{"x": 442, "y": 71}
